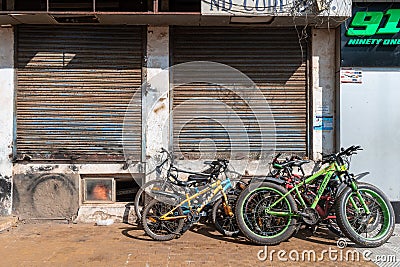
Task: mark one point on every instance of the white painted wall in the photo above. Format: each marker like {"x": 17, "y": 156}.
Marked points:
{"x": 323, "y": 62}
{"x": 6, "y": 103}
{"x": 370, "y": 117}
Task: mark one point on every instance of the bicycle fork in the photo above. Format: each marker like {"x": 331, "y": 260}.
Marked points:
{"x": 354, "y": 188}
{"x": 225, "y": 203}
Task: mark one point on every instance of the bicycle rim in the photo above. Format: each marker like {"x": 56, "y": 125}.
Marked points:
{"x": 372, "y": 226}
{"x": 161, "y": 227}
{"x": 256, "y": 218}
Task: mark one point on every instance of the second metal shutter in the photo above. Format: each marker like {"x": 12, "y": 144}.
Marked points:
{"x": 74, "y": 85}
{"x": 272, "y": 58}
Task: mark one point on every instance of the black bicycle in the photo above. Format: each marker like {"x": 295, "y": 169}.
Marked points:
{"x": 170, "y": 181}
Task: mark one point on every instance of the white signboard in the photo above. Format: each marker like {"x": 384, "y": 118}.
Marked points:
{"x": 245, "y": 7}
{"x": 276, "y": 8}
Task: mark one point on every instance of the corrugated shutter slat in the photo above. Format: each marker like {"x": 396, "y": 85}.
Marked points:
{"x": 272, "y": 58}
{"x": 74, "y": 84}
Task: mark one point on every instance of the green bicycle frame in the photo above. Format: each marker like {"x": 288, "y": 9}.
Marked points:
{"x": 328, "y": 172}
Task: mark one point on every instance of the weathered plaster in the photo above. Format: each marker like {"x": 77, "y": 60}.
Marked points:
{"x": 6, "y": 117}
{"x": 119, "y": 212}
{"x": 156, "y": 100}
{"x": 323, "y": 87}
{"x": 46, "y": 195}
{"x": 76, "y": 168}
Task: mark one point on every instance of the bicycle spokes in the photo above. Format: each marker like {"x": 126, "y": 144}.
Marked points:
{"x": 257, "y": 217}
{"x": 368, "y": 225}
{"x": 158, "y": 226}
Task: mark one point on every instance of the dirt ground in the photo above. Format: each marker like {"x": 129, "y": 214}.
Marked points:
{"x": 62, "y": 244}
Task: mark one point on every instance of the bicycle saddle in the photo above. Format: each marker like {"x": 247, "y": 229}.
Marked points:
{"x": 186, "y": 183}
{"x": 300, "y": 162}
{"x": 199, "y": 178}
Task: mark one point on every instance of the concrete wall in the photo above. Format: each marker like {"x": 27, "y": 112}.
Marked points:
{"x": 6, "y": 117}
{"x": 53, "y": 190}
{"x": 323, "y": 62}
{"x": 46, "y": 195}
{"x": 156, "y": 97}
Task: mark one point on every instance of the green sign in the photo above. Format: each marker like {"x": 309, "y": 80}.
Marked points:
{"x": 372, "y": 23}
{"x": 371, "y": 37}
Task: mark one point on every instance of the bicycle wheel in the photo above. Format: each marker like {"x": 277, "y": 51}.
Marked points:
{"x": 224, "y": 223}
{"x": 259, "y": 226}
{"x": 157, "y": 229}
{"x": 144, "y": 196}
{"x": 368, "y": 230}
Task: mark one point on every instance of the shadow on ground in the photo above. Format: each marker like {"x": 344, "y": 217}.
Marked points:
{"x": 321, "y": 236}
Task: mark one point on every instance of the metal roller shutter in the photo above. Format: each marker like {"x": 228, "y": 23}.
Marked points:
{"x": 272, "y": 58}
{"x": 74, "y": 84}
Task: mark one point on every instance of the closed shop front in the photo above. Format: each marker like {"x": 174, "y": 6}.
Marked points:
{"x": 73, "y": 86}
{"x": 69, "y": 72}
{"x": 369, "y": 94}
{"x": 273, "y": 58}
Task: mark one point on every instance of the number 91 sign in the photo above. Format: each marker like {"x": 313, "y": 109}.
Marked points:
{"x": 368, "y": 23}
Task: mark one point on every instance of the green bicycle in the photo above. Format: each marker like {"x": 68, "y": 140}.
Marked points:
{"x": 269, "y": 213}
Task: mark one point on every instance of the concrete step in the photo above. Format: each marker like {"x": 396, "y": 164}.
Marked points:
{"x": 7, "y": 222}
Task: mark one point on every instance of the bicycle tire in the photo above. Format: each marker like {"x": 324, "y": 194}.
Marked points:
{"x": 224, "y": 223}
{"x": 158, "y": 229}
{"x": 258, "y": 226}
{"x": 354, "y": 225}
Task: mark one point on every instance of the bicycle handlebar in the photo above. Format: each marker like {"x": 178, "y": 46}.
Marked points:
{"x": 275, "y": 160}
{"x": 351, "y": 150}
{"x": 288, "y": 164}
{"x": 217, "y": 165}
{"x": 163, "y": 150}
